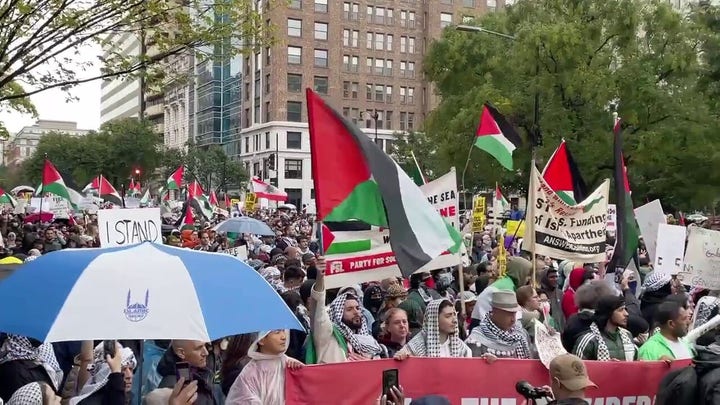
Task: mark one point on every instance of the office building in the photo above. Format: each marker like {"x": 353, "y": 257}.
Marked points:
{"x": 24, "y": 143}
{"x": 119, "y": 96}
{"x": 364, "y": 57}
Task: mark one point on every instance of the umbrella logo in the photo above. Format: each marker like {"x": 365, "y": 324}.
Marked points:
{"x": 137, "y": 312}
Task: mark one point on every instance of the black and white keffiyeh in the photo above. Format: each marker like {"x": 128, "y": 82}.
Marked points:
{"x": 515, "y": 337}
{"x": 427, "y": 342}
{"x": 100, "y": 371}
{"x": 362, "y": 341}
{"x": 18, "y": 347}
{"x": 603, "y": 354}
{"x": 704, "y": 310}
{"x": 29, "y": 394}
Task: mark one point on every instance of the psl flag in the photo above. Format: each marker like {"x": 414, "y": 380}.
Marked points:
{"x": 573, "y": 232}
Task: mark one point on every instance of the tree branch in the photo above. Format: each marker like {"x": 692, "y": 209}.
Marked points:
{"x": 607, "y": 40}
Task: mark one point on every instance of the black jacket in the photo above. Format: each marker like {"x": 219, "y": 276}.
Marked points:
{"x": 113, "y": 393}
{"x": 678, "y": 387}
{"x": 17, "y": 373}
{"x": 204, "y": 377}
{"x": 577, "y": 325}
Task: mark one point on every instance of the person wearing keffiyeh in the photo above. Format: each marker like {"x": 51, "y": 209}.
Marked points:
{"x": 109, "y": 383}
{"x": 23, "y": 361}
{"x": 439, "y": 335}
{"x": 34, "y": 394}
{"x": 346, "y": 315}
{"x": 499, "y": 334}
{"x": 607, "y": 339}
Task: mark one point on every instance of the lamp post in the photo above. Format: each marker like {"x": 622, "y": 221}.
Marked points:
{"x": 375, "y": 116}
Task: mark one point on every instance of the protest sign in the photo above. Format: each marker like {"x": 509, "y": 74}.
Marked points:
{"x": 122, "y": 227}
{"x": 649, "y": 217}
{"x": 457, "y": 380}
{"x": 250, "y": 201}
{"x": 478, "y": 216}
{"x": 240, "y": 252}
{"x": 548, "y": 344}
{"x": 670, "y": 249}
{"x": 559, "y": 230}
{"x": 357, "y": 252}
{"x": 611, "y": 218}
{"x": 511, "y": 227}
{"x": 702, "y": 259}
{"x": 58, "y": 206}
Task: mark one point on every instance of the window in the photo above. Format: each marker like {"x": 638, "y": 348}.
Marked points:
{"x": 256, "y": 88}
{"x": 247, "y": 138}
{"x": 389, "y": 42}
{"x": 294, "y": 196}
{"x": 351, "y": 11}
{"x": 368, "y": 92}
{"x": 388, "y": 119}
{"x": 410, "y": 121}
{"x": 403, "y": 44}
{"x": 388, "y": 68}
{"x": 389, "y": 17}
{"x": 445, "y": 19}
{"x": 469, "y": 3}
{"x": 491, "y": 5}
{"x": 388, "y": 94}
{"x": 446, "y": 1}
{"x": 321, "y": 31}
{"x": 247, "y": 91}
{"x": 321, "y": 58}
{"x": 245, "y": 125}
{"x": 256, "y": 119}
{"x": 369, "y": 40}
{"x": 294, "y": 55}
{"x": 267, "y": 84}
{"x": 380, "y": 42}
{"x": 350, "y": 90}
{"x": 467, "y": 19}
{"x": 350, "y": 63}
{"x": 267, "y": 111}
{"x": 379, "y": 92}
{"x": 407, "y": 69}
{"x": 320, "y": 84}
{"x": 294, "y": 111}
{"x": 355, "y": 38}
{"x": 346, "y": 37}
{"x": 321, "y": 6}
{"x": 293, "y": 141}
{"x": 258, "y": 60}
{"x": 294, "y": 83}
{"x": 379, "y": 15}
{"x": 267, "y": 140}
{"x": 293, "y": 169}
{"x": 294, "y": 27}
{"x": 268, "y": 54}
{"x": 370, "y": 13}
{"x": 411, "y": 95}
{"x": 411, "y": 45}
{"x": 407, "y": 19}
{"x": 350, "y": 38}
{"x": 296, "y": 4}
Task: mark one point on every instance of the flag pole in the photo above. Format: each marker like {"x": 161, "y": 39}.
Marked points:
{"x": 42, "y": 184}
{"x": 462, "y": 179}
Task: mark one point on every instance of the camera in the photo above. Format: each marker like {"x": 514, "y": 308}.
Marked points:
{"x": 526, "y": 389}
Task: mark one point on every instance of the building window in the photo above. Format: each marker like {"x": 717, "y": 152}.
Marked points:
{"x": 350, "y": 38}
{"x": 389, "y": 42}
{"x": 369, "y": 40}
{"x": 320, "y": 84}
{"x": 380, "y": 42}
{"x": 379, "y": 15}
{"x": 321, "y": 6}
{"x": 403, "y": 44}
{"x": 256, "y": 119}
{"x": 491, "y": 5}
{"x": 294, "y": 111}
{"x": 388, "y": 94}
{"x": 296, "y": 4}
{"x": 247, "y": 138}
{"x": 267, "y": 140}
{"x": 467, "y": 19}
{"x": 351, "y": 11}
{"x": 469, "y": 3}
{"x": 267, "y": 111}
{"x": 268, "y": 54}
{"x": 445, "y": 19}
{"x": 321, "y": 31}
{"x": 411, "y": 45}
{"x": 294, "y": 55}
{"x": 446, "y": 1}
{"x": 350, "y": 63}
{"x": 293, "y": 169}
{"x": 388, "y": 119}
{"x": 294, "y": 27}
{"x": 294, "y": 196}
{"x": 294, "y": 83}
{"x": 293, "y": 141}
{"x": 267, "y": 84}
{"x": 321, "y": 58}
{"x": 350, "y": 90}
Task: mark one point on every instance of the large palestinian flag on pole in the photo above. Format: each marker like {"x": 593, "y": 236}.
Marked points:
{"x": 562, "y": 174}
{"x": 174, "y": 182}
{"x": 53, "y": 183}
{"x": 496, "y": 136}
{"x": 355, "y": 180}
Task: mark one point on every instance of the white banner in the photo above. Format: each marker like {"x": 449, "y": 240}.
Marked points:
{"x": 561, "y": 231}
{"x": 357, "y": 256}
{"x": 649, "y": 217}
{"x": 611, "y": 218}
{"x": 57, "y": 205}
{"x": 702, "y": 259}
{"x": 121, "y": 227}
{"x": 240, "y": 252}
{"x": 670, "y": 249}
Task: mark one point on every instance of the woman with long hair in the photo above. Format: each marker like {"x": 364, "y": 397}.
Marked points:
{"x": 235, "y": 359}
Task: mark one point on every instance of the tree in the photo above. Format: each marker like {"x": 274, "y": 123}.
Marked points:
{"x": 120, "y": 147}
{"x": 589, "y": 62}
{"x": 210, "y": 166}
{"x": 42, "y": 41}
{"x": 418, "y": 143}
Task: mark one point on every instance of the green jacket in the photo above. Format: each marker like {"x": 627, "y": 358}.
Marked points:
{"x": 587, "y": 345}
{"x": 311, "y": 354}
{"x": 657, "y": 347}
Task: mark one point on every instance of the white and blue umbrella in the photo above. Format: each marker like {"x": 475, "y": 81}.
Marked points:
{"x": 145, "y": 291}
{"x": 244, "y": 225}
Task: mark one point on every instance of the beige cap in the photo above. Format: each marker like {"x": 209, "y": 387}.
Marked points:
{"x": 571, "y": 372}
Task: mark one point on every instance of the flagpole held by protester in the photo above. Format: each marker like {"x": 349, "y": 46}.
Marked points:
{"x": 42, "y": 183}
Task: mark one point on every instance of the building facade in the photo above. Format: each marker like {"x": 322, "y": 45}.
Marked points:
{"x": 120, "y": 97}
{"x": 24, "y": 143}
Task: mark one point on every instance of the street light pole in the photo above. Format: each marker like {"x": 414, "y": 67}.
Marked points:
{"x": 375, "y": 116}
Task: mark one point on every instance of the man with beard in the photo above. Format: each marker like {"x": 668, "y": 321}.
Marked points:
{"x": 674, "y": 321}
{"x": 549, "y": 285}
{"x": 608, "y": 339}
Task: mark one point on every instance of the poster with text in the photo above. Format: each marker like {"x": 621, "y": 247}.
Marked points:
{"x": 649, "y": 217}
{"x": 562, "y": 231}
{"x": 122, "y": 227}
{"x": 702, "y": 259}
{"x": 612, "y": 218}
{"x": 670, "y": 249}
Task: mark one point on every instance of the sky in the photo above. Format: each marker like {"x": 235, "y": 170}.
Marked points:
{"x": 51, "y": 105}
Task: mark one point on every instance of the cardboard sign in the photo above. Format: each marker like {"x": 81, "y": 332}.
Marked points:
{"x": 478, "y": 218}
{"x": 122, "y": 227}
{"x": 649, "y": 217}
{"x": 515, "y": 226}
{"x": 240, "y": 252}
{"x": 702, "y": 259}
{"x": 670, "y": 249}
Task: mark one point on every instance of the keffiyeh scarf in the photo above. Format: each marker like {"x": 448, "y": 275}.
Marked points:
{"x": 362, "y": 341}
{"x": 705, "y": 308}
{"x": 655, "y": 281}
{"x": 515, "y": 337}
{"x": 603, "y": 354}
{"x": 100, "y": 371}
{"x": 274, "y": 277}
{"x": 427, "y": 342}
{"x": 18, "y": 347}
{"x": 30, "y": 394}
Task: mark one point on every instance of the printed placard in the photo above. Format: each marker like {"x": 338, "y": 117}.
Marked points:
{"x": 702, "y": 259}
{"x": 122, "y": 227}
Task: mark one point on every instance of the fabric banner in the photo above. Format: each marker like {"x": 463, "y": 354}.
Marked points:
{"x": 359, "y": 252}
{"x": 559, "y": 230}
{"x": 465, "y": 381}
{"x": 702, "y": 259}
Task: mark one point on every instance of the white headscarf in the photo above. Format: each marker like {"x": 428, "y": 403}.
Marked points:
{"x": 100, "y": 371}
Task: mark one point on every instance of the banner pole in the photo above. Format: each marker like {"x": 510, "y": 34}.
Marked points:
{"x": 462, "y": 180}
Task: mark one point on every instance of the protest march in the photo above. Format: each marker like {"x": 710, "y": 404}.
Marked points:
{"x": 389, "y": 291}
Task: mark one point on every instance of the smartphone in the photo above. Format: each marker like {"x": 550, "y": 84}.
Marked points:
{"x": 182, "y": 370}
{"x": 109, "y": 347}
{"x": 389, "y": 380}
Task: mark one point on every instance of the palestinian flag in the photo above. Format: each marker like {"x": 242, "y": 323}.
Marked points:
{"x": 105, "y": 190}
{"x": 416, "y": 172}
{"x": 174, "y": 182}
{"x": 53, "y": 183}
{"x": 355, "y": 180}
{"x": 7, "y": 198}
{"x": 145, "y": 200}
{"x": 627, "y": 234}
{"x": 349, "y": 237}
{"x": 227, "y": 200}
{"x": 496, "y": 136}
{"x": 562, "y": 174}
{"x": 196, "y": 192}
{"x": 134, "y": 188}
{"x": 213, "y": 199}
{"x": 500, "y": 204}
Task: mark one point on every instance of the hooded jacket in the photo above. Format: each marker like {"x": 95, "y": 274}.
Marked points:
{"x": 518, "y": 271}
{"x": 262, "y": 380}
{"x": 568, "y": 301}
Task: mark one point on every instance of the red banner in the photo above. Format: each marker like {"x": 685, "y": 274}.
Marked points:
{"x": 465, "y": 381}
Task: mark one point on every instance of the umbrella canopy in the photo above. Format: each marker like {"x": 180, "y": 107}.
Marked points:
{"x": 22, "y": 189}
{"x": 144, "y": 291}
{"x": 244, "y": 225}
{"x": 288, "y": 207}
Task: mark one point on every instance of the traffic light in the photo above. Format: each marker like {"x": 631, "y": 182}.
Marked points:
{"x": 271, "y": 162}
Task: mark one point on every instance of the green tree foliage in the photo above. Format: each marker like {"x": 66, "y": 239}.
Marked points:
{"x": 210, "y": 166}
{"x": 420, "y": 144}
{"x": 44, "y": 44}
{"x": 120, "y": 147}
{"x": 591, "y": 56}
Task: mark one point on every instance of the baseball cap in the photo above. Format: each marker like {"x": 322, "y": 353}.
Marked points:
{"x": 571, "y": 372}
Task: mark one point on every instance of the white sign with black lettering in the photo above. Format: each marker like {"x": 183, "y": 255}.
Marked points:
{"x": 240, "y": 252}
{"x": 122, "y": 227}
{"x": 702, "y": 259}
{"x": 611, "y": 218}
{"x": 670, "y": 249}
